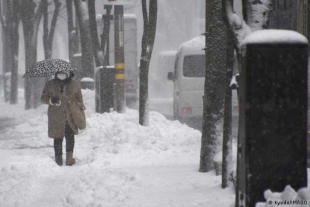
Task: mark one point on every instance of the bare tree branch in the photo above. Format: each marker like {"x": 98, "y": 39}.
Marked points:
{"x": 148, "y": 38}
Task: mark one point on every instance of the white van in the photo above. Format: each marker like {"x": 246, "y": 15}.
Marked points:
{"x": 189, "y": 78}
{"x": 166, "y": 60}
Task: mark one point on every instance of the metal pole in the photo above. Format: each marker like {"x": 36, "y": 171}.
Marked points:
{"x": 105, "y": 43}
{"x": 119, "y": 103}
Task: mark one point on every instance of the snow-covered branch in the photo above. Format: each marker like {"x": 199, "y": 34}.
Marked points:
{"x": 259, "y": 16}
{"x": 260, "y": 10}
{"x": 238, "y": 25}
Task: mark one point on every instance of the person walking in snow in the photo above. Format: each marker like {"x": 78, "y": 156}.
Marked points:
{"x": 65, "y": 113}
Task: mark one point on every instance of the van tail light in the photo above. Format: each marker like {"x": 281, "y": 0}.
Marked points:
{"x": 187, "y": 110}
{"x": 129, "y": 86}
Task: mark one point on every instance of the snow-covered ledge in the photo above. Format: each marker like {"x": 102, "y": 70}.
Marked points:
{"x": 274, "y": 36}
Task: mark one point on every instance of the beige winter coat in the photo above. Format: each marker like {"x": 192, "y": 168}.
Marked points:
{"x": 71, "y": 108}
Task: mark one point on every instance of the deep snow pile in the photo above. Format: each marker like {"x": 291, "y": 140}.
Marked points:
{"x": 119, "y": 163}
{"x": 289, "y": 197}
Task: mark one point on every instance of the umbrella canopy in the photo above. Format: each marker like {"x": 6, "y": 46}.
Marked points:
{"x": 48, "y": 67}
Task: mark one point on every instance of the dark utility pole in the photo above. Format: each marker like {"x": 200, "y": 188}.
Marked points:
{"x": 105, "y": 47}
{"x": 119, "y": 103}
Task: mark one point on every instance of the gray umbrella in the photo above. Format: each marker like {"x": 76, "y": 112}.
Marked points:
{"x": 48, "y": 67}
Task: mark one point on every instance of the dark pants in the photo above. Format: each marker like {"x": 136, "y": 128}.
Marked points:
{"x": 69, "y": 135}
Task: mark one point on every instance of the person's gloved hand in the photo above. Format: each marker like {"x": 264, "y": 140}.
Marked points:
{"x": 55, "y": 101}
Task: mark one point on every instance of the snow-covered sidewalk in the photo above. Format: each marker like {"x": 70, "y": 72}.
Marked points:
{"x": 119, "y": 163}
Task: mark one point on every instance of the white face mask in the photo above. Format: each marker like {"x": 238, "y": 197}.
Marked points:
{"x": 62, "y": 76}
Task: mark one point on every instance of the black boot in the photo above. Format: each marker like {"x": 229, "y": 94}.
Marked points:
{"x": 58, "y": 151}
{"x": 69, "y": 159}
{"x": 58, "y": 160}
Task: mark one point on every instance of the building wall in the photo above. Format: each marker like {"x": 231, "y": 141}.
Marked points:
{"x": 291, "y": 15}
{"x": 284, "y": 15}
{"x": 302, "y": 17}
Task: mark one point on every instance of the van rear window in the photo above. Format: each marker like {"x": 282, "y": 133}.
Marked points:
{"x": 194, "y": 66}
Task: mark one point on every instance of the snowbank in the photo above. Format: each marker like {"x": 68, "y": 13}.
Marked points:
{"x": 289, "y": 197}
{"x": 119, "y": 162}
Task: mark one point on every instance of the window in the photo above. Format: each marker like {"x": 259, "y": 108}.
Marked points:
{"x": 194, "y": 66}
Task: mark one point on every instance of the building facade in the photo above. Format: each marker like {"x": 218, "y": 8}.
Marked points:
{"x": 291, "y": 15}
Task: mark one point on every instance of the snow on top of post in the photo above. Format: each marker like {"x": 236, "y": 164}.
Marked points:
{"x": 118, "y": 2}
{"x": 130, "y": 16}
{"x": 87, "y": 79}
{"x": 274, "y": 36}
{"x": 98, "y": 68}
